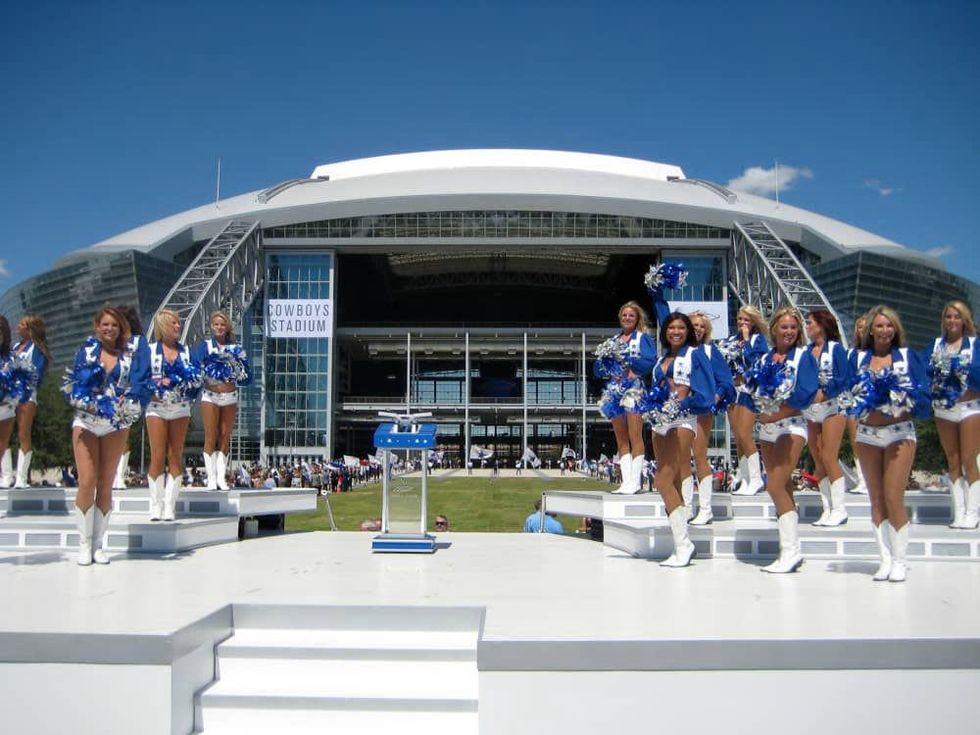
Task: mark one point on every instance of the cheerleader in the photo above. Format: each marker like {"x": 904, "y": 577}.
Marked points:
{"x": 953, "y": 365}
{"x": 623, "y": 360}
{"x": 825, "y": 420}
{"x": 860, "y": 487}
{"x": 890, "y": 389}
{"x": 107, "y": 398}
{"x": 742, "y": 351}
{"x": 8, "y": 406}
{"x": 139, "y": 348}
{"x": 225, "y": 367}
{"x": 176, "y": 380}
{"x": 782, "y": 384}
{"x": 32, "y": 349}
{"x": 683, "y": 388}
{"x": 724, "y": 396}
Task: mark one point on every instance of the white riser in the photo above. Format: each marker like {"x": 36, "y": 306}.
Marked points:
{"x": 330, "y": 678}
{"x": 323, "y": 642}
{"x": 249, "y": 721}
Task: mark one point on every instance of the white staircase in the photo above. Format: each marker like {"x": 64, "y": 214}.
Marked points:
{"x": 304, "y": 669}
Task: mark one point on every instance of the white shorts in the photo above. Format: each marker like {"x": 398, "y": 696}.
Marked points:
{"x": 819, "y": 412}
{"x": 791, "y": 425}
{"x": 7, "y": 411}
{"x": 883, "y": 436}
{"x": 219, "y": 399}
{"x": 688, "y": 422}
{"x": 93, "y": 424}
{"x": 168, "y": 411}
{"x": 959, "y": 411}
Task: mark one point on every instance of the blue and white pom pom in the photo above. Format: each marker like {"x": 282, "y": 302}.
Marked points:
{"x": 18, "y": 379}
{"x": 225, "y": 366}
{"x": 665, "y": 275}
{"x": 611, "y": 359}
{"x": 184, "y": 382}
{"x": 884, "y": 391}
{"x": 948, "y": 375}
{"x": 733, "y": 350}
{"x": 86, "y": 389}
{"x": 661, "y": 406}
{"x": 770, "y": 384}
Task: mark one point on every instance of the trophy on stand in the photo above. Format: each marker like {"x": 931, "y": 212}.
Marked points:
{"x": 404, "y": 498}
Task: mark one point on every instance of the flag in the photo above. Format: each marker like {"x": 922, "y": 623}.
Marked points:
{"x": 478, "y": 452}
{"x": 568, "y": 452}
{"x": 530, "y": 458}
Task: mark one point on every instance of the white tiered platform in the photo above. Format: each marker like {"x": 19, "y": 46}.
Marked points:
{"x": 495, "y": 633}
{"x": 40, "y": 518}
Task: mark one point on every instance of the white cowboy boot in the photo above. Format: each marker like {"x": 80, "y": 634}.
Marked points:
{"x": 790, "y": 559}
{"x": 23, "y": 467}
{"x": 156, "y": 496}
{"x": 862, "y": 487}
{"x": 900, "y": 544}
{"x": 882, "y": 536}
{"x": 209, "y": 460}
{"x": 7, "y": 469}
{"x": 171, "y": 492}
{"x": 741, "y": 472}
{"x": 838, "y": 511}
{"x": 971, "y": 519}
{"x": 824, "y": 487}
{"x": 221, "y": 469}
{"x": 705, "y": 514}
{"x": 687, "y": 496}
{"x": 626, "y": 470}
{"x": 639, "y": 462}
{"x": 100, "y": 537}
{"x": 958, "y": 491}
{"x": 120, "y": 482}
{"x": 683, "y": 547}
{"x": 85, "y": 520}
{"x": 752, "y": 483}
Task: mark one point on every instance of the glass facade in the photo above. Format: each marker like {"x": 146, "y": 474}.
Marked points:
{"x": 497, "y": 223}
{"x": 296, "y": 370}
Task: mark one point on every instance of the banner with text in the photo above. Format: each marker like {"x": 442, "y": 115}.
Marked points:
{"x": 717, "y": 311}
{"x": 299, "y": 318}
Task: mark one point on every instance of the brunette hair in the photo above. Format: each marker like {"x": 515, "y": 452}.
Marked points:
{"x": 691, "y": 340}
{"x": 112, "y": 311}
{"x": 132, "y": 318}
{"x": 4, "y": 336}
{"x": 826, "y": 321}
{"x": 35, "y": 327}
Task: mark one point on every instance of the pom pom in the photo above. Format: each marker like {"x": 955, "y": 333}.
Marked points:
{"x": 947, "y": 378}
{"x": 665, "y": 275}
{"x": 225, "y": 366}
{"x": 770, "y": 383}
{"x": 183, "y": 382}
{"x": 884, "y": 390}
{"x": 87, "y": 388}
{"x": 661, "y": 406}
{"x": 733, "y": 350}
{"x": 620, "y": 397}
{"x": 612, "y": 359}
{"x": 18, "y": 379}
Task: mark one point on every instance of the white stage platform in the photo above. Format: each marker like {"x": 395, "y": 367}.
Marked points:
{"x": 494, "y": 633}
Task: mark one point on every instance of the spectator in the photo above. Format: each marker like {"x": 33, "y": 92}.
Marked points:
{"x": 532, "y": 523}
{"x": 442, "y": 523}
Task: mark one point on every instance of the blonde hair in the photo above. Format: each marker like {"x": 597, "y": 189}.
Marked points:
{"x": 859, "y": 330}
{"x": 37, "y": 330}
{"x": 782, "y": 312}
{"x": 969, "y": 328}
{"x": 159, "y": 325}
{"x": 867, "y": 341}
{"x": 642, "y": 322}
{"x": 759, "y": 325}
{"x": 706, "y": 321}
{"x": 230, "y": 337}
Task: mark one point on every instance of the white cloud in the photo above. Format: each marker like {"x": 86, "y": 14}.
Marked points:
{"x": 940, "y": 251}
{"x": 876, "y": 185}
{"x": 4, "y": 270}
{"x": 762, "y": 181}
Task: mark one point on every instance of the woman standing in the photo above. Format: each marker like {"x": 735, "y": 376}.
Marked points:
{"x": 8, "y": 407}
{"x": 107, "y": 398}
{"x": 139, "y": 349}
{"x": 825, "y": 420}
{"x": 623, "y": 360}
{"x": 860, "y": 327}
{"x": 176, "y": 380}
{"x": 32, "y": 348}
{"x": 890, "y": 389}
{"x": 782, "y": 385}
{"x": 225, "y": 368}
{"x": 683, "y": 388}
{"x": 724, "y": 396}
{"x": 742, "y": 351}
{"x": 956, "y": 405}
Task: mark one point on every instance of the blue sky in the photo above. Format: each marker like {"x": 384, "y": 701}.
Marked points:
{"x": 115, "y": 114}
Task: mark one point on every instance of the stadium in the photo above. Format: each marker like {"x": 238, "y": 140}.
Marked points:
{"x": 473, "y": 284}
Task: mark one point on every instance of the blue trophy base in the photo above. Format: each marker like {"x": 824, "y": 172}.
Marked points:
{"x": 404, "y": 543}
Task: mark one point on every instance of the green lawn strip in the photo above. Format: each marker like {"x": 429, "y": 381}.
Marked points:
{"x": 471, "y": 504}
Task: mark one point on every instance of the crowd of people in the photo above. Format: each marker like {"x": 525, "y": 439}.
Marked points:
{"x": 782, "y": 384}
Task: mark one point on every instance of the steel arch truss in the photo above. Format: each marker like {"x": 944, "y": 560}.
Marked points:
{"x": 226, "y": 275}
{"x": 764, "y": 272}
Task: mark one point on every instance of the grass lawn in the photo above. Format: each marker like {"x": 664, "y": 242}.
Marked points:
{"x": 470, "y": 503}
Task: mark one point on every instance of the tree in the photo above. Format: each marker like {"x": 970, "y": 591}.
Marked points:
{"x": 51, "y": 434}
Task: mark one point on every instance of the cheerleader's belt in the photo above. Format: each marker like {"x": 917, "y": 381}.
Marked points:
{"x": 790, "y": 426}
{"x": 819, "y": 412}
{"x": 93, "y": 424}
{"x": 169, "y": 410}
{"x": 883, "y": 436}
{"x": 219, "y": 399}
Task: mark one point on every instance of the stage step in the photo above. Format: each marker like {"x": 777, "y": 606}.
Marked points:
{"x": 924, "y": 507}
{"x": 128, "y": 532}
{"x": 190, "y": 501}
{"x": 298, "y": 669}
{"x": 760, "y": 540}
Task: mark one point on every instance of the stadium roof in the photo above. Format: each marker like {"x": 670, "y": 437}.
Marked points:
{"x": 501, "y": 179}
